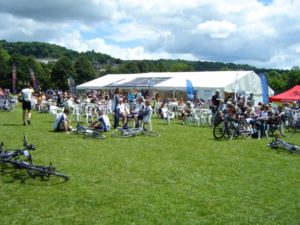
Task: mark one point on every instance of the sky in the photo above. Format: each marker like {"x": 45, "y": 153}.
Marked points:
{"x": 261, "y": 33}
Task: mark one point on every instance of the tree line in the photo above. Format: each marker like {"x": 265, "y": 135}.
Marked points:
{"x": 53, "y": 64}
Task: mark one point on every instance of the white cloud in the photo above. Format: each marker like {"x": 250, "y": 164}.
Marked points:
{"x": 265, "y": 35}
{"x": 217, "y": 29}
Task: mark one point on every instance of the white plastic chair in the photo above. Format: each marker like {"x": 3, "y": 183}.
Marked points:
{"x": 77, "y": 112}
{"x": 54, "y": 110}
{"x": 89, "y": 113}
{"x": 168, "y": 116}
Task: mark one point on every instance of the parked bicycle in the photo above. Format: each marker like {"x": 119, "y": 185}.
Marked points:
{"x": 15, "y": 153}
{"x": 132, "y": 132}
{"x": 292, "y": 123}
{"x": 13, "y": 157}
{"x": 280, "y": 144}
{"x": 88, "y": 132}
{"x": 7, "y": 104}
{"x": 230, "y": 128}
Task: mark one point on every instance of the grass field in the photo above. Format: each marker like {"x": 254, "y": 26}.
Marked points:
{"x": 183, "y": 177}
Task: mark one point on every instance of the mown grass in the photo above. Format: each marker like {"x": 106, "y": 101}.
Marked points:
{"x": 182, "y": 177}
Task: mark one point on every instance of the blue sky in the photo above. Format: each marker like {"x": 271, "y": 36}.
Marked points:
{"x": 262, "y": 33}
{"x": 265, "y": 2}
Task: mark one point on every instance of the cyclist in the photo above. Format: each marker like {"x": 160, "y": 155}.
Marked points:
{"x": 102, "y": 122}
{"x": 61, "y": 122}
{"x": 26, "y": 95}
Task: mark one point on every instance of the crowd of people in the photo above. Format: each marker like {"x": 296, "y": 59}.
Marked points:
{"x": 137, "y": 107}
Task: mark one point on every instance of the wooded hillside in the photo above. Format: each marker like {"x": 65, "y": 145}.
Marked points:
{"x": 53, "y": 64}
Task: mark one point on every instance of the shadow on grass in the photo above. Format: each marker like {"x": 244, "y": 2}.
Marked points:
{"x": 13, "y": 124}
{"x": 11, "y": 175}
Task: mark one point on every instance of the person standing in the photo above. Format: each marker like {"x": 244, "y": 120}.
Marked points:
{"x": 215, "y": 101}
{"x": 26, "y": 95}
{"x": 116, "y": 107}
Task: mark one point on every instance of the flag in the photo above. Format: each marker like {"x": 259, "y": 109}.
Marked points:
{"x": 34, "y": 81}
{"x": 190, "y": 90}
{"x": 264, "y": 88}
{"x": 236, "y": 88}
{"x": 72, "y": 85}
{"x": 14, "y": 77}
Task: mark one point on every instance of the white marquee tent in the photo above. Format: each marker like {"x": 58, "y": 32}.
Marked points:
{"x": 204, "y": 83}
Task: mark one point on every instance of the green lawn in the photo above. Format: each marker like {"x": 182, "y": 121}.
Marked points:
{"x": 183, "y": 177}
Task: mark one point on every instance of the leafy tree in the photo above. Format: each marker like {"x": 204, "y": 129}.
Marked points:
{"x": 180, "y": 67}
{"x": 129, "y": 67}
{"x": 5, "y": 73}
{"x": 84, "y": 70}
{"x": 61, "y": 70}
{"x": 22, "y": 69}
{"x": 277, "y": 81}
{"x": 293, "y": 77}
{"x": 41, "y": 72}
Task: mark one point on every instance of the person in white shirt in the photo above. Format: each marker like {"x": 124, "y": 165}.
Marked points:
{"x": 147, "y": 112}
{"x": 26, "y": 95}
{"x": 102, "y": 122}
{"x": 61, "y": 122}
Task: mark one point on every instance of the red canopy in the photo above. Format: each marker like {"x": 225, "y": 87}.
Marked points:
{"x": 289, "y": 96}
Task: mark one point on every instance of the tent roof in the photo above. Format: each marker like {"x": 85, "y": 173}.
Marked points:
{"x": 228, "y": 81}
{"x": 290, "y": 95}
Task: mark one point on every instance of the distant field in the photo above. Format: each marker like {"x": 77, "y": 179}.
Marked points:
{"x": 183, "y": 177}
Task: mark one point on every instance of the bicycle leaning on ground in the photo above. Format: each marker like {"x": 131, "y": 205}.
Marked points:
{"x": 13, "y": 157}
{"x": 88, "y": 132}
{"x": 132, "y": 132}
{"x": 280, "y": 144}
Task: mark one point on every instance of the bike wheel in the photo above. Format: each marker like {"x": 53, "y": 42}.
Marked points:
{"x": 296, "y": 150}
{"x": 230, "y": 132}
{"x": 209, "y": 120}
{"x": 122, "y": 133}
{"x": 94, "y": 134}
{"x": 151, "y": 133}
{"x": 219, "y": 131}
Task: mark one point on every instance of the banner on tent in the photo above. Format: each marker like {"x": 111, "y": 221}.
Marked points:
{"x": 72, "y": 85}
{"x": 190, "y": 92}
{"x": 138, "y": 82}
{"x": 264, "y": 88}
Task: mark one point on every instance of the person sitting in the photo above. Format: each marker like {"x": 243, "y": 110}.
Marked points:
{"x": 102, "y": 122}
{"x": 146, "y": 114}
{"x": 139, "y": 108}
{"x": 162, "y": 110}
{"x": 61, "y": 122}
{"x": 181, "y": 110}
{"x": 124, "y": 112}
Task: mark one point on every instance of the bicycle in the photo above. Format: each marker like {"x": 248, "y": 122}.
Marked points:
{"x": 132, "y": 132}
{"x": 292, "y": 123}
{"x": 7, "y": 104}
{"x": 12, "y": 157}
{"x": 279, "y": 144}
{"x": 230, "y": 128}
{"x": 14, "y": 153}
{"x": 35, "y": 170}
{"x": 88, "y": 132}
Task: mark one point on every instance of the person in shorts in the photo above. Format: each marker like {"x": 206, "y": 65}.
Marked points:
{"x": 26, "y": 95}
